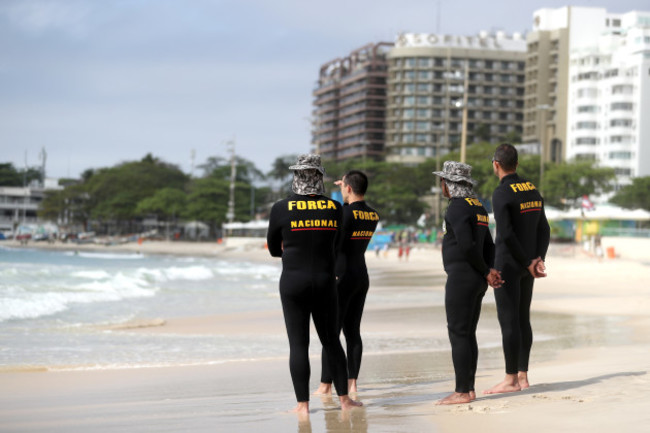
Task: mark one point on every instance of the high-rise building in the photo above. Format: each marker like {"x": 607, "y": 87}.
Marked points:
{"x": 350, "y": 105}
{"x": 430, "y": 78}
{"x": 608, "y": 115}
{"x": 572, "y": 56}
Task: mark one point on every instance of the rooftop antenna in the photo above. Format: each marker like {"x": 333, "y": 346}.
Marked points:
{"x": 43, "y": 157}
{"x": 438, "y": 19}
{"x": 192, "y": 156}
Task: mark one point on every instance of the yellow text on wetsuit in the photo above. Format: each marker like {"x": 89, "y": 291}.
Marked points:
{"x": 313, "y": 223}
{"x": 473, "y": 201}
{"x": 311, "y": 205}
{"x": 362, "y": 234}
{"x": 483, "y": 218}
{"x": 530, "y": 205}
{"x": 516, "y": 187}
{"x": 363, "y": 215}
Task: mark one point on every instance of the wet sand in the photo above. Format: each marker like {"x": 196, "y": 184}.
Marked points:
{"x": 589, "y": 365}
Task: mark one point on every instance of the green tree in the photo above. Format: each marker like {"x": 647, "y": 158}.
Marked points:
{"x": 114, "y": 193}
{"x": 166, "y": 203}
{"x": 634, "y": 196}
{"x": 10, "y": 176}
{"x": 566, "y": 183}
{"x": 280, "y": 172}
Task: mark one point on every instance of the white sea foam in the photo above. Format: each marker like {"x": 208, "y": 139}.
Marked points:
{"x": 109, "y": 256}
{"x": 93, "y": 275}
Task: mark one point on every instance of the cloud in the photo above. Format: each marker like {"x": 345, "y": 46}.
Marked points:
{"x": 39, "y": 16}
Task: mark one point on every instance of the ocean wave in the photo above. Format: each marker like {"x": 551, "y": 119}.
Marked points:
{"x": 92, "y": 275}
{"x": 107, "y": 256}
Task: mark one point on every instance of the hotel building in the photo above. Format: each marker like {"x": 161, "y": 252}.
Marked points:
{"x": 350, "y": 105}
{"x": 428, "y": 77}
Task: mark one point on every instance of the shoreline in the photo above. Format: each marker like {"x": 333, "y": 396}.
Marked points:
{"x": 579, "y": 387}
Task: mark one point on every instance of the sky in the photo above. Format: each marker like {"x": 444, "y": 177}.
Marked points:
{"x": 96, "y": 83}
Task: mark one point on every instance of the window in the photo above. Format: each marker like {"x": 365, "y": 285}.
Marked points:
{"x": 587, "y": 109}
{"x": 620, "y": 122}
{"x": 586, "y": 125}
{"x": 622, "y": 89}
{"x": 424, "y": 62}
{"x": 620, "y": 139}
{"x": 620, "y": 155}
{"x": 623, "y": 171}
{"x": 423, "y": 100}
{"x": 590, "y": 141}
{"x": 422, "y": 112}
{"x": 409, "y": 100}
{"x": 424, "y": 75}
{"x": 408, "y": 113}
{"x": 587, "y": 93}
{"x": 624, "y": 106}
{"x": 423, "y": 87}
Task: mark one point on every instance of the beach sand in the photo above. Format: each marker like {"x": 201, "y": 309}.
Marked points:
{"x": 589, "y": 365}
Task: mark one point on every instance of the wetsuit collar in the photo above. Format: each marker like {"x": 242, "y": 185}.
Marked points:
{"x": 507, "y": 177}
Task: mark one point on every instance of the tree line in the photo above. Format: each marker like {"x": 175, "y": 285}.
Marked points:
{"x": 117, "y": 199}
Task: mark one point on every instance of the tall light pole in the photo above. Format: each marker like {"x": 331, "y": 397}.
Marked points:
{"x": 541, "y": 109}
{"x": 463, "y": 134}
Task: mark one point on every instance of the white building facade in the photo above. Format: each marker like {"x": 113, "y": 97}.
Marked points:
{"x": 608, "y": 109}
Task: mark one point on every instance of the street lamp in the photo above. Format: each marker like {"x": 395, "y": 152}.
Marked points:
{"x": 463, "y": 104}
{"x": 541, "y": 109}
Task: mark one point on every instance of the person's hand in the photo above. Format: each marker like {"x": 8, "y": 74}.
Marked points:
{"x": 540, "y": 269}
{"x": 494, "y": 278}
{"x": 338, "y": 182}
{"x": 537, "y": 268}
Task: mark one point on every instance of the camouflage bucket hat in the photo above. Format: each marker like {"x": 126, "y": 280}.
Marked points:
{"x": 308, "y": 161}
{"x": 308, "y": 175}
{"x": 455, "y": 171}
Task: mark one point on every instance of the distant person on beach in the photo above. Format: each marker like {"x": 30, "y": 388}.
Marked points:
{"x": 359, "y": 224}
{"x": 522, "y": 240}
{"x": 304, "y": 230}
{"x": 468, "y": 259}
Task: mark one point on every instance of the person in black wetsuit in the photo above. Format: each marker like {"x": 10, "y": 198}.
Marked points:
{"x": 304, "y": 229}
{"x": 359, "y": 224}
{"x": 468, "y": 259}
{"x": 522, "y": 240}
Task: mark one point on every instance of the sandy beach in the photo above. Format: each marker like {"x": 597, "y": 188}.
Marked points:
{"x": 589, "y": 364}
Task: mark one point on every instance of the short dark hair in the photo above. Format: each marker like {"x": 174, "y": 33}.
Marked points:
{"x": 357, "y": 180}
{"x": 506, "y": 155}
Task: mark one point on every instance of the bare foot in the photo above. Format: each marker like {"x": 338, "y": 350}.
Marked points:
{"x": 352, "y": 386}
{"x": 456, "y": 398}
{"x": 509, "y": 384}
{"x": 522, "y": 378}
{"x": 302, "y": 410}
{"x": 324, "y": 389}
{"x": 472, "y": 395}
{"x": 348, "y": 403}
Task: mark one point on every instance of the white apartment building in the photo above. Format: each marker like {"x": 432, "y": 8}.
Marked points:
{"x": 608, "y": 113}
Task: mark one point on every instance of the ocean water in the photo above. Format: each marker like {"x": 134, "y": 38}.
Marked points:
{"x": 58, "y": 310}
{"x": 55, "y": 308}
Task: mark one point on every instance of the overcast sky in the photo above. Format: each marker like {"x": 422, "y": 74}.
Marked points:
{"x": 98, "y": 82}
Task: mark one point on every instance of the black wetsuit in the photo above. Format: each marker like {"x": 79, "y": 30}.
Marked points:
{"x": 304, "y": 231}
{"x": 467, "y": 255}
{"x": 359, "y": 224}
{"x": 523, "y": 234}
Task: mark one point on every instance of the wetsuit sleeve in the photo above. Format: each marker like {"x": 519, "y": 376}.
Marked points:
{"x": 274, "y": 233}
{"x": 543, "y": 235}
{"x": 341, "y": 236}
{"x": 488, "y": 249}
{"x": 461, "y": 223}
{"x": 506, "y": 230}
